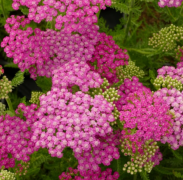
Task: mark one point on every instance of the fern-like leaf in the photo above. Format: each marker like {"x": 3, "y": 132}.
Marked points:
{"x": 18, "y": 79}
{"x": 144, "y": 175}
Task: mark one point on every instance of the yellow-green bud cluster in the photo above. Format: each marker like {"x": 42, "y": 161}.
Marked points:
{"x": 129, "y": 71}
{"x": 140, "y": 161}
{"x": 7, "y": 175}
{"x": 2, "y": 108}
{"x": 35, "y": 97}
{"x": 5, "y": 87}
{"x": 167, "y": 82}
{"x": 167, "y": 38}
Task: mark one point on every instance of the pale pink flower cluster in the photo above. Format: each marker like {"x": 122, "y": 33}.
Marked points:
{"x": 175, "y": 73}
{"x": 67, "y": 14}
{"x": 71, "y": 120}
{"x": 169, "y": 3}
{"x": 78, "y": 73}
{"x": 174, "y": 98}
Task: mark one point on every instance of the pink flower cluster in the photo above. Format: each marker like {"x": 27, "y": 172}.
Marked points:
{"x": 43, "y": 51}
{"x": 169, "y": 3}
{"x": 157, "y": 158}
{"x": 15, "y": 136}
{"x": 71, "y": 120}
{"x": 99, "y": 175}
{"x": 174, "y": 98}
{"x": 175, "y": 73}
{"x": 129, "y": 86}
{"x": 146, "y": 117}
{"x": 104, "y": 153}
{"x": 67, "y": 14}
{"x": 108, "y": 56}
{"x": 78, "y": 73}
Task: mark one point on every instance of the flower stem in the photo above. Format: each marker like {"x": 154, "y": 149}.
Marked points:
{"x": 10, "y": 105}
{"x": 128, "y": 22}
{"x": 2, "y": 7}
{"x": 135, "y": 177}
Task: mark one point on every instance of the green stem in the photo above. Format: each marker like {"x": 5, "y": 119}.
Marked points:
{"x": 170, "y": 13}
{"x": 2, "y": 7}
{"x": 143, "y": 51}
{"x": 171, "y": 169}
{"x": 128, "y": 22}
{"x": 135, "y": 177}
{"x": 10, "y": 105}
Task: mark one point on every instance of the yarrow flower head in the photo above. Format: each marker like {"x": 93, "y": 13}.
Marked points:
{"x": 68, "y": 14}
{"x": 15, "y": 136}
{"x": 71, "y": 120}
{"x": 145, "y": 117}
{"x": 129, "y": 86}
{"x": 174, "y": 98}
{"x": 102, "y": 175}
{"x": 167, "y": 38}
{"x": 108, "y": 56}
{"x": 128, "y": 71}
{"x": 43, "y": 51}
{"x": 150, "y": 158}
{"x": 169, "y": 77}
{"x": 5, "y": 87}
{"x": 7, "y": 175}
{"x": 77, "y": 73}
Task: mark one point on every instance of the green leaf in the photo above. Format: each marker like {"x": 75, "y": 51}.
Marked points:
{"x": 11, "y": 65}
{"x": 44, "y": 83}
{"x": 18, "y": 79}
{"x": 24, "y": 10}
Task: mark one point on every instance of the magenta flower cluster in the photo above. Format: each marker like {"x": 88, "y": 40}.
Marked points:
{"x": 99, "y": 175}
{"x": 104, "y": 153}
{"x": 108, "y": 56}
{"x": 129, "y": 86}
{"x": 42, "y": 51}
{"x": 67, "y": 14}
{"x": 169, "y": 3}
{"x": 78, "y": 73}
{"x": 146, "y": 117}
{"x": 15, "y": 135}
{"x": 71, "y": 120}
{"x": 175, "y": 73}
{"x": 174, "y": 98}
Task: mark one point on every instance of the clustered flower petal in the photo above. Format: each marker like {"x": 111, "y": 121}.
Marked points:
{"x": 108, "y": 56}
{"x": 15, "y": 136}
{"x": 169, "y": 3}
{"x": 174, "y": 98}
{"x": 71, "y": 120}
{"x": 77, "y": 73}
{"x": 102, "y": 175}
{"x": 129, "y": 86}
{"x": 43, "y": 51}
{"x": 67, "y": 14}
{"x": 145, "y": 117}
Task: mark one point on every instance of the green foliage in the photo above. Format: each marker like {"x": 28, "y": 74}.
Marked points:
{"x": 44, "y": 83}
{"x": 144, "y": 175}
{"x": 18, "y": 79}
